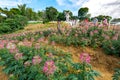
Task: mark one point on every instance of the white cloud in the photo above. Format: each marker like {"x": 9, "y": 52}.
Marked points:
{"x": 12, "y": 3}
{"x": 7, "y": 3}
{"x": 96, "y": 7}
{"x": 70, "y": 3}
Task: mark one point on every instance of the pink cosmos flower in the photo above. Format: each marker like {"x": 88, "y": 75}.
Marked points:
{"x": 84, "y": 57}
{"x": 49, "y": 67}
{"x": 36, "y": 60}
{"x": 18, "y": 56}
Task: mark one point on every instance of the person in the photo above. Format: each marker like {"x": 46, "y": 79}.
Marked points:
{"x": 95, "y": 21}
{"x": 105, "y": 22}
{"x": 86, "y": 22}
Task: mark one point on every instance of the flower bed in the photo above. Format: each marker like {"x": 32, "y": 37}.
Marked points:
{"x": 27, "y": 62}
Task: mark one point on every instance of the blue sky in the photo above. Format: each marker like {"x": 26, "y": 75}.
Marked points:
{"x": 96, "y": 7}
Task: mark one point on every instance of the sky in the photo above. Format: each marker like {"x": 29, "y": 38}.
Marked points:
{"x": 96, "y": 7}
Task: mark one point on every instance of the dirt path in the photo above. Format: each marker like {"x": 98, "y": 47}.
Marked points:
{"x": 2, "y": 75}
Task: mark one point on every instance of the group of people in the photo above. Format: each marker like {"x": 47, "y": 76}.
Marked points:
{"x": 103, "y": 22}
{"x": 95, "y": 22}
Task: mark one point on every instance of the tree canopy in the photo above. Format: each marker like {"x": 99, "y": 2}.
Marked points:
{"x": 83, "y": 13}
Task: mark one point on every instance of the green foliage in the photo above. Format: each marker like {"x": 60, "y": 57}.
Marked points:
{"x": 18, "y": 71}
{"x": 112, "y": 47}
{"x": 82, "y": 13}
{"x": 61, "y": 17}
{"x": 4, "y": 28}
{"x": 51, "y": 13}
{"x": 12, "y": 24}
{"x": 116, "y": 75}
{"x": 101, "y": 17}
{"x": 116, "y": 20}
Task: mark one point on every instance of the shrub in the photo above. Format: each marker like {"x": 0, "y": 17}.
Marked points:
{"x": 12, "y": 24}
{"x": 112, "y": 47}
{"x": 116, "y": 75}
{"x": 4, "y": 28}
{"x": 43, "y": 64}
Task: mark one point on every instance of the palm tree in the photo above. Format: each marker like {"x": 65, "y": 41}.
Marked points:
{"x": 22, "y": 9}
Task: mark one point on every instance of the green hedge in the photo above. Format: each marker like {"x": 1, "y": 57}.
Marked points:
{"x": 12, "y": 24}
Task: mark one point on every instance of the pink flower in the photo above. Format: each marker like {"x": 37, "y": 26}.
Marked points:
{"x": 27, "y": 63}
{"x": 49, "y": 67}
{"x": 1, "y": 45}
{"x": 76, "y": 35}
{"x": 115, "y": 37}
{"x": 67, "y": 34}
{"x": 37, "y": 45}
{"x": 41, "y": 40}
{"x": 41, "y": 32}
{"x": 36, "y": 60}
{"x": 91, "y": 33}
{"x": 13, "y": 50}
{"x": 84, "y": 57}
{"x": 96, "y": 31}
{"x": 53, "y": 43}
{"x": 18, "y": 56}
{"x": 11, "y": 46}
{"x": 84, "y": 31}
{"x": 27, "y": 43}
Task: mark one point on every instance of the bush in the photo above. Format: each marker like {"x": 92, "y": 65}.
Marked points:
{"x": 43, "y": 64}
{"x": 12, "y": 24}
{"x": 4, "y": 28}
{"x": 116, "y": 75}
{"x": 112, "y": 47}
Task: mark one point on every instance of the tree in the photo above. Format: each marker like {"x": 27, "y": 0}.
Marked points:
{"x": 41, "y": 15}
{"x": 6, "y": 12}
{"x": 74, "y": 17}
{"x": 15, "y": 11}
{"x": 82, "y": 13}
{"x": 116, "y": 20}
{"x": 61, "y": 16}
{"x": 22, "y": 9}
{"x": 101, "y": 17}
{"x": 70, "y": 13}
{"x": 51, "y": 13}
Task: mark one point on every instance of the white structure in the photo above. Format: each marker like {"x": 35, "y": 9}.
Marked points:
{"x": 67, "y": 15}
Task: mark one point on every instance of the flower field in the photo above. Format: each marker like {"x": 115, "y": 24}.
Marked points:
{"x": 80, "y": 53}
